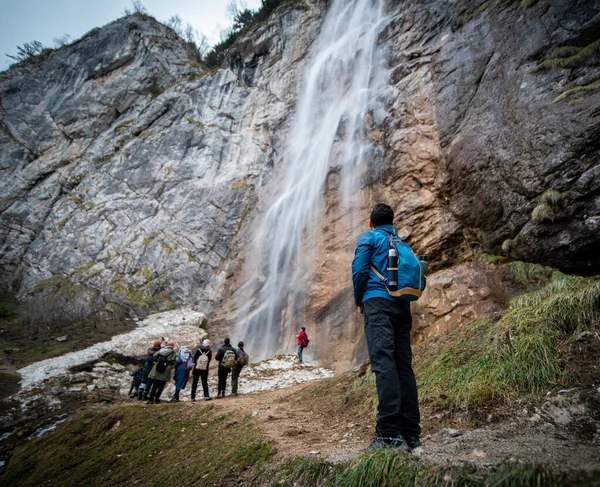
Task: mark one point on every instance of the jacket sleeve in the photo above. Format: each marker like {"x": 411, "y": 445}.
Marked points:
{"x": 360, "y": 266}
{"x": 209, "y": 354}
{"x": 220, "y": 353}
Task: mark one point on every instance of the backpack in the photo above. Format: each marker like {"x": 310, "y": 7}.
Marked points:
{"x": 189, "y": 363}
{"x": 202, "y": 362}
{"x": 305, "y": 342}
{"x": 242, "y": 359}
{"x": 161, "y": 364}
{"x": 228, "y": 359}
{"x": 411, "y": 271}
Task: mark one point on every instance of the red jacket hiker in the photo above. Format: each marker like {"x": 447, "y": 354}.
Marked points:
{"x": 302, "y": 339}
{"x": 302, "y": 343}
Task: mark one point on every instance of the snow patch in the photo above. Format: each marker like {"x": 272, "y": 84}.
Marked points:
{"x": 182, "y": 326}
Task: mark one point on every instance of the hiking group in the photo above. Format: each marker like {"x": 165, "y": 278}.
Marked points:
{"x": 163, "y": 362}
{"x": 387, "y": 276}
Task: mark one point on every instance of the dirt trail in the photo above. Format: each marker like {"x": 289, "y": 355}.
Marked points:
{"x": 298, "y": 428}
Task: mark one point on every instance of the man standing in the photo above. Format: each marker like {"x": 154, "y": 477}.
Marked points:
{"x": 302, "y": 342}
{"x": 226, "y": 356}
{"x": 240, "y": 363}
{"x": 387, "y": 331}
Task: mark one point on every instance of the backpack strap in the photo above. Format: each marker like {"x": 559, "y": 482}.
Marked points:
{"x": 399, "y": 292}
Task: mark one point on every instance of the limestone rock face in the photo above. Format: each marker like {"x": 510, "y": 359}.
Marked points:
{"x": 128, "y": 167}
{"x": 135, "y": 173}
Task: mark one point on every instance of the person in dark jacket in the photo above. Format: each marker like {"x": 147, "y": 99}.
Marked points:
{"x": 146, "y": 381}
{"x": 136, "y": 382}
{"x": 161, "y": 377}
{"x": 226, "y": 363}
{"x": 200, "y": 370}
{"x": 240, "y": 363}
{"x": 387, "y": 331}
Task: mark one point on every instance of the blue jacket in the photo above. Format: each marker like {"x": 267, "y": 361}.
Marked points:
{"x": 372, "y": 249}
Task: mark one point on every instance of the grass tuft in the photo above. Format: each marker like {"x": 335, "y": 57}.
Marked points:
{"x": 569, "y": 57}
{"x": 509, "y": 245}
{"x": 593, "y": 86}
{"x": 492, "y": 359}
{"x": 545, "y": 211}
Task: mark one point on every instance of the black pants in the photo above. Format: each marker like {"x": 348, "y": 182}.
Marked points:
{"x": 156, "y": 389}
{"x": 203, "y": 376}
{"x": 387, "y": 330}
{"x": 223, "y": 373}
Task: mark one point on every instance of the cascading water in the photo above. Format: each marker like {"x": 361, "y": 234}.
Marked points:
{"x": 345, "y": 82}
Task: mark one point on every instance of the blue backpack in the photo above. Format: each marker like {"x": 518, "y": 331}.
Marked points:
{"x": 411, "y": 271}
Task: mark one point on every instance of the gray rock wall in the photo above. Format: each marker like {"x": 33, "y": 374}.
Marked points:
{"x": 131, "y": 170}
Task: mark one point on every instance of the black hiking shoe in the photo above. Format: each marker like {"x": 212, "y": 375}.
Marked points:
{"x": 207, "y": 398}
{"x": 397, "y": 442}
{"x": 413, "y": 442}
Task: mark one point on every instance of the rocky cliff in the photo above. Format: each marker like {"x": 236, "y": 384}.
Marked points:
{"x": 132, "y": 175}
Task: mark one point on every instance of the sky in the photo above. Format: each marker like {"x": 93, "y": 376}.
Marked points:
{"x": 43, "y": 20}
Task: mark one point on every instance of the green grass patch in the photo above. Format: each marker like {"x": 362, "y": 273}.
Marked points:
{"x": 569, "y": 56}
{"x": 138, "y": 445}
{"x": 492, "y": 359}
{"x": 391, "y": 468}
{"x": 590, "y": 87}
{"x": 527, "y": 273}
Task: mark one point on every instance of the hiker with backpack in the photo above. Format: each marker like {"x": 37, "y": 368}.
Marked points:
{"x": 240, "y": 363}
{"x": 303, "y": 340}
{"x": 387, "y": 276}
{"x": 146, "y": 381}
{"x": 226, "y": 356}
{"x": 183, "y": 367}
{"x": 202, "y": 359}
{"x": 164, "y": 360}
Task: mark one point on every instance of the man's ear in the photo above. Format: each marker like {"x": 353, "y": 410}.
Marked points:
{"x": 371, "y": 225}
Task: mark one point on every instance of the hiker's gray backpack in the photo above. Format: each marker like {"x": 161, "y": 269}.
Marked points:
{"x": 202, "y": 362}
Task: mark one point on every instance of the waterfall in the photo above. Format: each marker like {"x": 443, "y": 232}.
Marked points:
{"x": 345, "y": 82}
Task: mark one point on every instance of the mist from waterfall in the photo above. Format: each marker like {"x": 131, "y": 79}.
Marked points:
{"x": 343, "y": 85}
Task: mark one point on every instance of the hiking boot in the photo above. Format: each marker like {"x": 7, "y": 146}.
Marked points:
{"x": 150, "y": 401}
{"x": 174, "y": 399}
{"x": 413, "y": 442}
{"x": 156, "y": 401}
{"x": 208, "y": 398}
{"x": 193, "y": 399}
{"x": 397, "y": 442}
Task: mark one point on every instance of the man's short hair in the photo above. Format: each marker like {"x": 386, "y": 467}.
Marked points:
{"x": 382, "y": 214}
{"x": 227, "y": 341}
{"x": 241, "y": 344}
